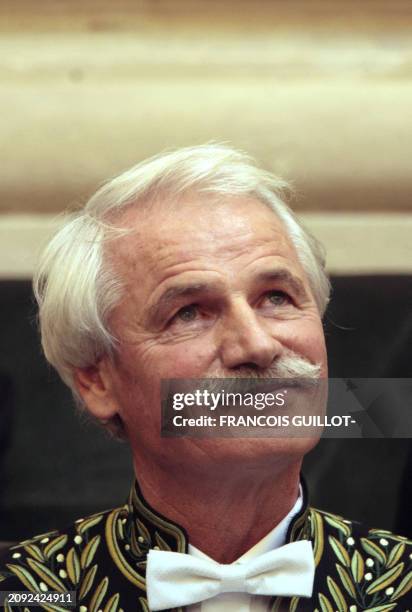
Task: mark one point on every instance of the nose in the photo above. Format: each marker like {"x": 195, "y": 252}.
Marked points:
{"x": 245, "y": 340}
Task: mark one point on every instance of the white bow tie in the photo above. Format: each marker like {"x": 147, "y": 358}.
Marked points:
{"x": 176, "y": 579}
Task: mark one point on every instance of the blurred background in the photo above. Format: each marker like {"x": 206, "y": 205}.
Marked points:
{"x": 318, "y": 91}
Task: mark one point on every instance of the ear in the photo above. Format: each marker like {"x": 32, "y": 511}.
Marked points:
{"x": 95, "y": 386}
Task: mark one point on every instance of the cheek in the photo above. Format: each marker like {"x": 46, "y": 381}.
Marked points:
{"x": 188, "y": 359}
{"x": 306, "y": 337}
{"x": 139, "y": 372}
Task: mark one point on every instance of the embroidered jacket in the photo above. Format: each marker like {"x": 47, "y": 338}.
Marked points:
{"x": 103, "y": 558}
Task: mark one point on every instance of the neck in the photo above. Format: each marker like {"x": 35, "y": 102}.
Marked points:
{"x": 228, "y": 513}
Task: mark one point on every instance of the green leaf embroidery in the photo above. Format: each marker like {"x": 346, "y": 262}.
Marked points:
{"x": 87, "y": 582}
{"x": 73, "y": 566}
{"x": 340, "y": 551}
{"x": 37, "y": 538}
{"x": 373, "y": 549}
{"x": 47, "y": 575}
{"x": 325, "y": 605}
{"x": 112, "y": 604}
{"x": 89, "y": 551}
{"x": 99, "y": 594}
{"x": 317, "y": 533}
{"x": 25, "y": 577}
{"x": 55, "y": 545}
{"x": 382, "y": 608}
{"x": 334, "y": 522}
{"x": 41, "y": 536}
{"x": 337, "y": 595}
{"x": 396, "y": 554}
{"x": 35, "y": 552}
{"x": 357, "y": 566}
{"x": 88, "y": 523}
{"x": 403, "y": 587}
{"x": 385, "y": 580}
{"x": 387, "y": 534}
{"x": 346, "y": 581}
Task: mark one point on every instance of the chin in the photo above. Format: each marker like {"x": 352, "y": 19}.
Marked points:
{"x": 252, "y": 453}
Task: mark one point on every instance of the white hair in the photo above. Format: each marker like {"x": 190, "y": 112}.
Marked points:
{"x": 75, "y": 285}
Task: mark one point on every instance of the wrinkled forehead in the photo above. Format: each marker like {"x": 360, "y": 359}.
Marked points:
{"x": 167, "y": 233}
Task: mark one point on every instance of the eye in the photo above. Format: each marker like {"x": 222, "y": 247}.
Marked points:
{"x": 187, "y": 313}
{"x": 278, "y": 298}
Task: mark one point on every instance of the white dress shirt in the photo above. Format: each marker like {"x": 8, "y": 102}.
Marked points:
{"x": 243, "y": 602}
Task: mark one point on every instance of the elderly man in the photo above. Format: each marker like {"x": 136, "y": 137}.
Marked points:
{"x": 190, "y": 265}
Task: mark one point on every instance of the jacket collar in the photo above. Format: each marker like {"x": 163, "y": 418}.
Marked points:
{"x": 150, "y": 529}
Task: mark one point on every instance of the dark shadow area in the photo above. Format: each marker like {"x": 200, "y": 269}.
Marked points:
{"x": 368, "y": 328}
{"x": 57, "y": 466}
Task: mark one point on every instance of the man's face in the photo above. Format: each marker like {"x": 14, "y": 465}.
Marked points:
{"x": 211, "y": 290}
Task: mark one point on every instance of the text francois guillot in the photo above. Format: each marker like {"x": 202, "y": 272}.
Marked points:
{"x": 259, "y": 401}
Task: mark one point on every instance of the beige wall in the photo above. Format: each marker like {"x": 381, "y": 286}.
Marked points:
{"x": 320, "y": 92}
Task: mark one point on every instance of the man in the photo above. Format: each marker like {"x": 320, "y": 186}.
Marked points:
{"x": 191, "y": 266}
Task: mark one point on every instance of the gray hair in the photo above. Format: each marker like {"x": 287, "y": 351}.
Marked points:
{"x": 75, "y": 286}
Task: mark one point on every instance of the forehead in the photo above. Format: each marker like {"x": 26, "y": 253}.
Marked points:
{"x": 169, "y": 237}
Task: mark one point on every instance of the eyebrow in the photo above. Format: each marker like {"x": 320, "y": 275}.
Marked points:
{"x": 283, "y": 275}
{"x": 172, "y": 294}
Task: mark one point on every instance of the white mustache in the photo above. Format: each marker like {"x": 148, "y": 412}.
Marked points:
{"x": 289, "y": 370}
{"x": 289, "y": 365}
